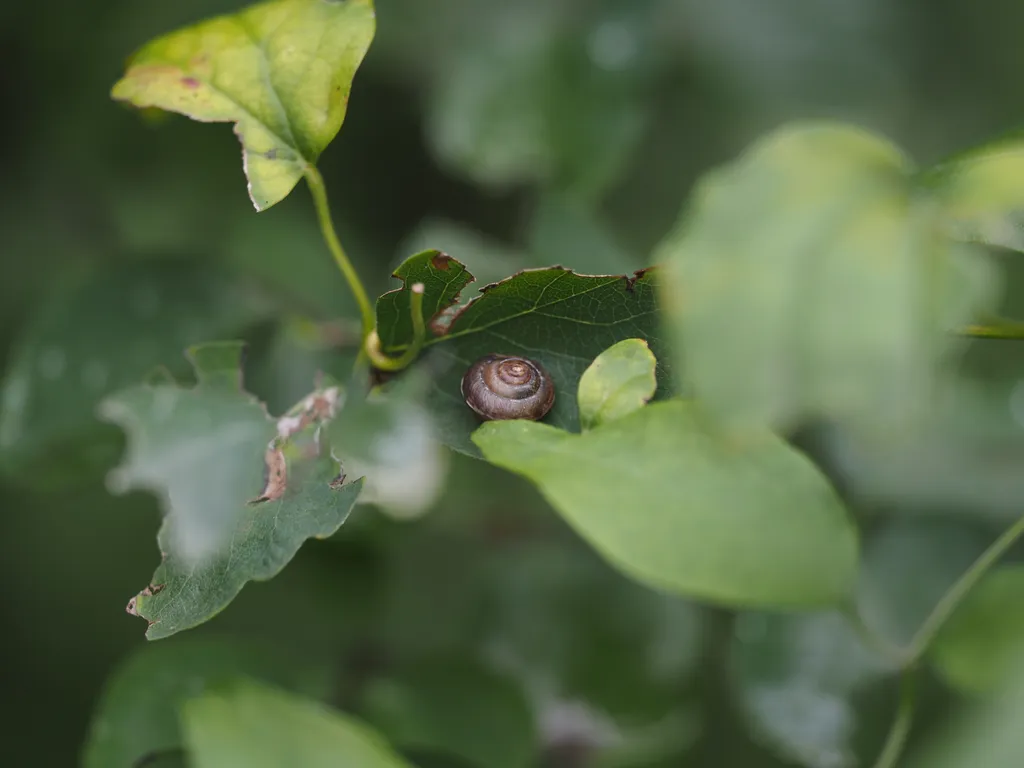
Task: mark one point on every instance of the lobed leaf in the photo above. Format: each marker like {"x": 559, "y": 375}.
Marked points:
{"x": 676, "y": 507}
{"x": 241, "y": 492}
{"x": 443, "y": 279}
{"x": 99, "y": 332}
{"x": 281, "y": 71}
{"x": 553, "y": 315}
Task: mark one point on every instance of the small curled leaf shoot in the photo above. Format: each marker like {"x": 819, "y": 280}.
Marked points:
{"x": 372, "y": 346}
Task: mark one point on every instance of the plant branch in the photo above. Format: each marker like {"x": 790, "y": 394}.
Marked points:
{"x": 872, "y": 640}
{"x": 900, "y": 729}
{"x": 956, "y": 594}
{"x": 419, "y": 334}
{"x": 323, "y": 212}
{"x": 995, "y": 328}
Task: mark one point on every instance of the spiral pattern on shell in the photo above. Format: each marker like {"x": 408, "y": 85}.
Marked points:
{"x": 501, "y": 387}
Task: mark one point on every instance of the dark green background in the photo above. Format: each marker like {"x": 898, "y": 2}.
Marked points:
{"x": 86, "y": 183}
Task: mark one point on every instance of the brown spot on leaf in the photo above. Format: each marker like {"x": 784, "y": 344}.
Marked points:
{"x": 271, "y": 154}
{"x": 631, "y": 281}
{"x": 276, "y": 474}
{"x": 132, "y": 609}
{"x": 190, "y": 82}
{"x": 440, "y": 322}
{"x": 441, "y": 261}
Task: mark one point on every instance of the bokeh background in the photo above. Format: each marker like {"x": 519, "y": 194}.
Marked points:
{"x": 510, "y": 135}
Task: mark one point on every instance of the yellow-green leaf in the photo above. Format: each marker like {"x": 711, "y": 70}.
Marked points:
{"x": 280, "y": 71}
{"x": 254, "y": 725}
{"x": 619, "y": 381}
{"x": 982, "y": 193}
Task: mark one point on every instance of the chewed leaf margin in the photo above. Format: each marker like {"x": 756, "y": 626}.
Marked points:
{"x": 304, "y": 490}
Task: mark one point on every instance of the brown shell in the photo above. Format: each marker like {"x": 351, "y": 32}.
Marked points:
{"x": 501, "y": 387}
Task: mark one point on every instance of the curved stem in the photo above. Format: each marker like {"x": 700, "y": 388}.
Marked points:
{"x": 419, "y": 334}
{"x": 900, "y": 728}
{"x": 323, "y": 212}
{"x": 880, "y": 645}
{"x": 955, "y": 595}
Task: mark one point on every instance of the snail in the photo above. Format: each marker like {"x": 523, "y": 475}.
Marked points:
{"x": 507, "y": 387}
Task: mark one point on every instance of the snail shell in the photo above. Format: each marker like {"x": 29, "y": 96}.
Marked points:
{"x": 506, "y": 387}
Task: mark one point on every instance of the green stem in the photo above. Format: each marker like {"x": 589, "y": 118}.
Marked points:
{"x": 323, "y": 212}
{"x": 955, "y": 595}
{"x": 419, "y": 335}
{"x": 900, "y": 729}
{"x": 995, "y": 328}
{"x": 887, "y": 650}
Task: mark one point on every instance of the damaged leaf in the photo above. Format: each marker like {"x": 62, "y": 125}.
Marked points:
{"x": 443, "y": 279}
{"x": 280, "y": 71}
{"x": 98, "y": 332}
{"x": 240, "y": 492}
{"x": 554, "y": 316}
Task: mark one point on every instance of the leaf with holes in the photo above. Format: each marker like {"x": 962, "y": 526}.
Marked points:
{"x": 443, "y": 279}
{"x": 241, "y": 493}
{"x": 280, "y": 71}
{"x": 553, "y": 315}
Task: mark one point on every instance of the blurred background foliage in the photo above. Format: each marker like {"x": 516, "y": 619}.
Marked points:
{"x": 510, "y": 135}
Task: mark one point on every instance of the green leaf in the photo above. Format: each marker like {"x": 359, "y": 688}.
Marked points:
{"x": 101, "y": 331}
{"x": 981, "y": 193}
{"x": 443, "y": 279}
{"x": 619, "y": 381}
{"x": 253, "y": 726}
{"x": 455, "y": 706}
{"x": 976, "y": 650}
{"x": 675, "y": 506}
{"x": 237, "y": 505}
{"x": 280, "y": 71}
{"x": 554, "y": 316}
{"x": 988, "y": 736}
{"x": 797, "y": 677}
{"x": 811, "y": 278}
{"x": 137, "y": 714}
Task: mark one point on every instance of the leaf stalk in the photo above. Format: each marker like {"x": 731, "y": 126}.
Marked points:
{"x": 319, "y": 191}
